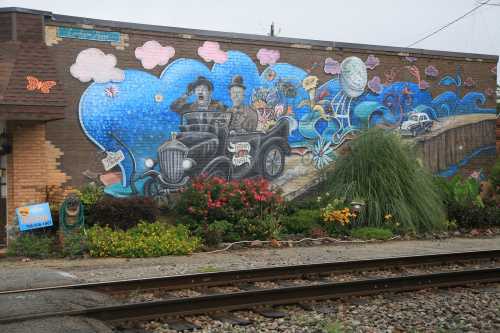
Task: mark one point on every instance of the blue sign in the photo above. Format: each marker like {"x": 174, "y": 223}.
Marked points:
{"x": 88, "y": 34}
{"x": 34, "y": 216}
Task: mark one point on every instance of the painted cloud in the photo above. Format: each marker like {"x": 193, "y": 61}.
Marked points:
{"x": 332, "y": 66}
{"x": 152, "y": 54}
{"x": 268, "y": 57}
{"x": 93, "y": 64}
{"x": 210, "y": 51}
{"x": 372, "y": 62}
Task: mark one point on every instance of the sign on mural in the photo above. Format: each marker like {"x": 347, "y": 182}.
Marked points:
{"x": 112, "y": 159}
{"x": 34, "y": 216}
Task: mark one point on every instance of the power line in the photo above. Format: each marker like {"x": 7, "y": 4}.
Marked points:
{"x": 488, "y": 4}
{"x": 448, "y": 24}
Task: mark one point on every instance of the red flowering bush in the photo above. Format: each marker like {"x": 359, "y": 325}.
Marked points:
{"x": 207, "y": 200}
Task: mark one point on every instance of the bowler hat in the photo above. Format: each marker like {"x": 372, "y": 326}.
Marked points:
{"x": 237, "y": 81}
{"x": 200, "y": 81}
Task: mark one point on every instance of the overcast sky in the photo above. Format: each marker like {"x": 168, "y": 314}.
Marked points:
{"x": 382, "y": 22}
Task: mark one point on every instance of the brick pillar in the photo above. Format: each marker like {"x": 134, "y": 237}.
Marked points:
{"x": 26, "y": 169}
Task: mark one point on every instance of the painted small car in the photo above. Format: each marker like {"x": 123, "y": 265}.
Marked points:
{"x": 206, "y": 146}
{"x": 417, "y": 123}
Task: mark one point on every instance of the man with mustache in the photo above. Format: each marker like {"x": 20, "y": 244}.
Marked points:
{"x": 202, "y": 89}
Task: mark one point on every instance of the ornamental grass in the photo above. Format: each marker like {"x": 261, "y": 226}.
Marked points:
{"x": 383, "y": 171}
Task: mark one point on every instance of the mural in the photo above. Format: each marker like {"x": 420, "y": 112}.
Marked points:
{"x": 220, "y": 116}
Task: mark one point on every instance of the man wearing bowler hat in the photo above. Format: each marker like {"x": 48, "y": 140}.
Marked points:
{"x": 244, "y": 118}
{"x": 202, "y": 89}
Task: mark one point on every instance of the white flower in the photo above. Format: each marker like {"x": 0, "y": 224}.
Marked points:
{"x": 321, "y": 153}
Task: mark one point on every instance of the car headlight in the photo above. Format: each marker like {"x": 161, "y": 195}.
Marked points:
{"x": 149, "y": 163}
{"x": 187, "y": 164}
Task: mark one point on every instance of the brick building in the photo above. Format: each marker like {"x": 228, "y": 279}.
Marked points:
{"x": 140, "y": 109}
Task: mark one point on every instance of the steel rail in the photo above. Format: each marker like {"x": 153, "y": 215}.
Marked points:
{"x": 276, "y": 296}
{"x": 172, "y": 282}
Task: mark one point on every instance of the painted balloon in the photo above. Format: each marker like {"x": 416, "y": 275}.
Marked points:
{"x": 353, "y": 76}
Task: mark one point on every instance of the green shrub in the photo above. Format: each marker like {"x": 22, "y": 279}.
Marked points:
{"x": 495, "y": 177}
{"x": 31, "y": 245}
{"x": 372, "y": 233}
{"x": 143, "y": 240}
{"x": 472, "y": 216}
{"x": 123, "y": 213}
{"x": 90, "y": 194}
{"x": 465, "y": 206}
{"x": 215, "y": 232}
{"x": 302, "y": 221}
{"x": 74, "y": 244}
{"x": 383, "y": 170}
{"x": 460, "y": 191}
{"x": 266, "y": 228}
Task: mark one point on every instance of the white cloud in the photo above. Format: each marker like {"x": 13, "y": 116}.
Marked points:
{"x": 93, "y": 64}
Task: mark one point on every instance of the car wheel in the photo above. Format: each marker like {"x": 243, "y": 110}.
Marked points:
{"x": 153, "y": 189}
{"x": 272, "y": 162}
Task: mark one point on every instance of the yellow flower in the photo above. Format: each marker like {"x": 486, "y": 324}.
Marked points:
{"x": 310, "y": 82}
{"x": 388, "y": 216}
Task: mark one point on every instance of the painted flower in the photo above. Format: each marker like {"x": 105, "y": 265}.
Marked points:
{"x": 469, "y": 82}
{"x": 423, "y": 85}
{"x": 493, "y": 69}
{"x": 310, "y": 82}
{"x": 279, "y": 110}
{"x": 476, "y": 175}
{"x": 375, "y": 85}
{"x": 111, "y": 91}
{"x": 372, "y": 62}
{"x": 321, "y": 153}
{"x": 332, "y": 66}
{"x": 489, "y": 92}
{"x": 270, "y": 74}
{"x": 431, "y": 71}
{"x": 159, "y": 98}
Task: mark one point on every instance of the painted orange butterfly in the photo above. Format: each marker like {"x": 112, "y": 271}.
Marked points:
{"x": 36, "y": 84}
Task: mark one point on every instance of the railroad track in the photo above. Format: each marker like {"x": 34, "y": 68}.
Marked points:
{"x": 317, "y": 289}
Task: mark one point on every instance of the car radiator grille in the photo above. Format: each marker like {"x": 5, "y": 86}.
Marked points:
{"x": 171, "y": 164}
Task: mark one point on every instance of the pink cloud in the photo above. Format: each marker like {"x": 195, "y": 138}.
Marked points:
{"x": 210, "y": 51}
{"x": 372, "y": 62}
{"x": 152, "y": 54}
{"x": 268, "y": 57}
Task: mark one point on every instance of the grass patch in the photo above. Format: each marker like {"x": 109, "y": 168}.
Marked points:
{"x": 208, "y": 269}
{"x": 335, "y": 327}
{"x": 372, "y": 233}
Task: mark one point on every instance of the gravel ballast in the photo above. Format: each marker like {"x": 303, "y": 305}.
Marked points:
{"x": 464, "y": 309}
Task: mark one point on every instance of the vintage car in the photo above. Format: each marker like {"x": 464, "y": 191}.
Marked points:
{"x": 206, "y": 146}
{"x": 417, "y": 123}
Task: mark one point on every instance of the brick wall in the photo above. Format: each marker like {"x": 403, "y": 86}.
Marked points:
{"x": 26, "y": 168}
